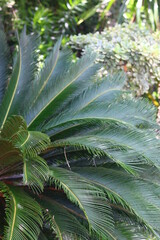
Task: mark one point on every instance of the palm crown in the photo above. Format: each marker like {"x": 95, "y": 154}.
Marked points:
{"x": 84, "y": 162}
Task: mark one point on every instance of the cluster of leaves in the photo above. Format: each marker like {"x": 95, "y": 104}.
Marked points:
{"x": 143, "y": 12}
{"x": 70, "y": 16}
{"x": 50, "y": 19}
{"x": 126, "y": 47}
{"x": 95, "y": 175}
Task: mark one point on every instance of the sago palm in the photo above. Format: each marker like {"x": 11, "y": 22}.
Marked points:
{"x": 84, "y": 164}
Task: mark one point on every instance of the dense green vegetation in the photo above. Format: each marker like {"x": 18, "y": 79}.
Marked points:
{"x": 126, "y": 47}
{"x": 79, "y": 150}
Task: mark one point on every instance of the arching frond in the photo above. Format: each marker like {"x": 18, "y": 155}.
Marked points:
{"x": 9, "y": 155}
{"x": 109, "y": 87}
{"x": 60, "y": 91}
{"x": 128, "y": 148}
{"x": 23, "y": 75}
{"x": 103, "y": 100}
{"x": 23, "y": 214}
{"x": 129, "y": 232}
{"x": 138, "y": 193}
{"x": 62, "y": 220}
{"x": 35, "y": 172}
{"x": 91, "y": 122}
{"x": 90, "y": 199}
{"x": 15, "y": 129}
{"x": 30, "y": 144}
{"x": 4, "y": 61}
{"x": 35, "y": 143}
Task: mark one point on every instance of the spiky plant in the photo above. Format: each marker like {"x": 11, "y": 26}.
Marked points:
{"x": 84, "y": 164}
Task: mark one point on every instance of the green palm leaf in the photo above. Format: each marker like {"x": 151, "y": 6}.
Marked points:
{"x": 50, "y": 64}
{"x": 35, "y": 143}
{"x": 62, "y": 221}
{"x": 142, "y": 200}
{"x": 9, "y": 155}
{"x": 127, "y": 147}
{"x": 30, "y": 144}
{"x": 23, "y": 75}
{"x": 15, "y": 129}
{"x": 105, "y": 100}
{"x": 23, "y": 214}
{"x": 35, "y": 172}
{"x": 4, "y": 56}
{"x": 91, "y": 122}
{"x": 59, "y": 92}
{"x": 129, "y": 232}
{"x": 89, "y": 198}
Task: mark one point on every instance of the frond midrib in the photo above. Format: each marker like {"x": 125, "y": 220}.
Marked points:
{"x": 14, "y": 216}
{"x": 46, "y": 81}
{"x": 43, "y": 109}
{"x": 15, "y": 88}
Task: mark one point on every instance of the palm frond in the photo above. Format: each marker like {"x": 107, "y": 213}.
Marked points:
{"x": 23, "y": 75}
{"x": 62, "y": 221}
{"x": 30, "y": 143}
{"x": 4, "y": 62}
{"x": 23, "y": 214}
{"x": 9, "y": 155}
{"x": 55, "y": 67}
{"x": 35, "y": 143}
{"x": 50, "y": 67}
{"x": 128, "y": 149}
{"x": 35, "y": 168}
{"x": 104, "y": 100}
{"x": 35, "y": 172}
{"x": 91, "y": 123}
{"x": 60, "y": 91}
{"x": 129, "y": 232}
{"x": 90, "y": 199}
{"x": 49, "y": 219}
{"x": 139, "y": 194}
{"x": 15, "y": 130}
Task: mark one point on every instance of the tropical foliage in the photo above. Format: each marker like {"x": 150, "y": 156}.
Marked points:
{"x": 126, "y": 47}
{"x": 143, "y": 12}
{"x": 48, "y": 18}
{"x": 84, "y": 164}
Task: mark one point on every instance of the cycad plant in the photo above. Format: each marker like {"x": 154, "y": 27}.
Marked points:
{"x": 84, "y": 164}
